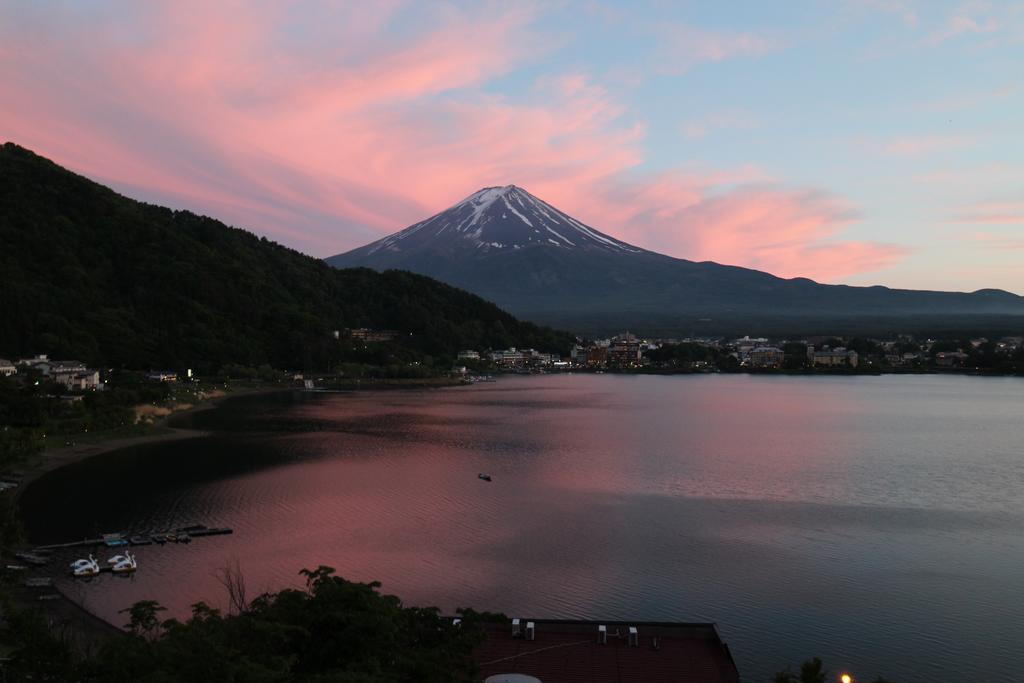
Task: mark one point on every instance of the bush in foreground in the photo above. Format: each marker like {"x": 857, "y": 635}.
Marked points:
{"x": 332, "y": 631}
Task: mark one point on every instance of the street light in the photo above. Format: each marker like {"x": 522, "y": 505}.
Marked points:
{"x": 846, "y": 678}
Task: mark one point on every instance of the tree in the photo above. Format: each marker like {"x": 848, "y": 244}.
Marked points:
{"x": 333, "y": 630}
{"x": 811, "y": 671}
{"x": 143, "y": 618}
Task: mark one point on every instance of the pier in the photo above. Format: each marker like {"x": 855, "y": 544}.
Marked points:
{"x": 178, "y": 535}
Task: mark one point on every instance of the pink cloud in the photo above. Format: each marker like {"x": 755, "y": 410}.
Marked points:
{"x": 790, "y": 233}
{"x": 330, "y": 141}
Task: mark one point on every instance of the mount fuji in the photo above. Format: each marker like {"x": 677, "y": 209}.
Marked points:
{"x": 515, "y": 249}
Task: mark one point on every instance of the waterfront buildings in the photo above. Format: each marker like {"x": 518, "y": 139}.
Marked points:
{"x": 828, "y": 357}
{"x": 624, "y": 351}
{"x": 7, "y": 368}
{"x": 514, "y": 358}
{"x": 766, "y": 357}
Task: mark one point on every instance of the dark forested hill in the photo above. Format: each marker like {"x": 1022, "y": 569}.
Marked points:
{"x": 93, "y": 275}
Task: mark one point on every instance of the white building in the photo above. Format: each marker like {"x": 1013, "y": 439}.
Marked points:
{"x": 41, "y": 363}
{"x": 60, "y": 367}
{"x": 88, "y": 380}
{"x": 469, "y": 355}
{"x": 510, "y": 357}
{"x": 7, "y": 368}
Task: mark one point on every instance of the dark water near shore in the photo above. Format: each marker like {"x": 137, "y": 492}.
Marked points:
{"x": 877, "y": 522}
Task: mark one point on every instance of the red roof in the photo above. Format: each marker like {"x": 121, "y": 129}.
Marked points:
{"x": 569, "y": 651}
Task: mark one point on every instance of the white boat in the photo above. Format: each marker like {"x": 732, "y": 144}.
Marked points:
{"x": 126, "y": 564}
{"x": 89, "y": 567}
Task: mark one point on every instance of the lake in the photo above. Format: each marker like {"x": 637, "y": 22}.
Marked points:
{"x": 877, "y": 522}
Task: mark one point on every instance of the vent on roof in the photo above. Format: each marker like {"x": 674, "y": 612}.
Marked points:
{"x": 531, "y": 632}
{"x": 516, "y": 632}
{"x": 634, "y": 637}
{"x": 602, "y": 634}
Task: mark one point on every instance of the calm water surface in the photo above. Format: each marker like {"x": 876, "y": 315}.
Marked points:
{"x": 875, "y": 521}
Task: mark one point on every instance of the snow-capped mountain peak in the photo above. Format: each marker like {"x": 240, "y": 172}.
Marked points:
{"x": 497, "y": 218}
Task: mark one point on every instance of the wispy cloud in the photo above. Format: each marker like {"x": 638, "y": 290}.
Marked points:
{"x": 682, "y": 46}
{"x": 981, "y": 19}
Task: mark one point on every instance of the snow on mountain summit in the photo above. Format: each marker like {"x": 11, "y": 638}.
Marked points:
{"x": 506, "y": 217}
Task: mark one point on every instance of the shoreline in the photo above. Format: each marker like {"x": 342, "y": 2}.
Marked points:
{"x": 49, "y": 461}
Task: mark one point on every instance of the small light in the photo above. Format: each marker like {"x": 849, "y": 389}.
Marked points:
{"x": 846, "y": 678}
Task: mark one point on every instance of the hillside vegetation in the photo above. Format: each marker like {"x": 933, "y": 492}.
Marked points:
{"x": 93, "y": 275}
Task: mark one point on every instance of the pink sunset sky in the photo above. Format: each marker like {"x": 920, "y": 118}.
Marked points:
{"x": 866, "y": 142}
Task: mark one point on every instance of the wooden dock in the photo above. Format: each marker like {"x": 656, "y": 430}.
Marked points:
{"x": 179, "y": 535}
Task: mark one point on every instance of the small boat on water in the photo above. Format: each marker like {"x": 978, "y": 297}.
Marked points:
{"x": 140, "y": 540}
{"x": 184, "y": 538}
{"x": 85, "y": 567}
{"x": 485, "y": 477}
{"x": 123, "y": 564}
{"x": 114, "y": 540}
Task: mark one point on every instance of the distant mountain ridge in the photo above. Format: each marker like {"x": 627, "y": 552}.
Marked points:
{"x": 530, "y": 258}
{"x": 92, "y": 275}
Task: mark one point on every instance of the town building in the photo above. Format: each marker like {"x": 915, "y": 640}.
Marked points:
{"x": 510, "y": 358}
{"x": 596, "y": 356}
{"x": 469, "y": 355}
{"x": 543, "y": 359}
{"x": 87, "y": 380}
{"x": 578, "y": 355}
{"x": 766, "y": 357}
{"x": 7, "y": 368}
{"x": 63, "y": 367}
{"x": 827, "y": 357}
{"x": 951, "y": 359}
{"x": 162, "y": 376}
{"x": 746, "y": 344}
{"x": 39, "y": 363}
{"x": 624, "y": 351}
